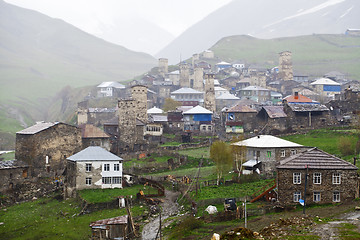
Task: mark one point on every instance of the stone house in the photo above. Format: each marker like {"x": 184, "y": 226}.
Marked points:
{"x": 188, "y": 96}
{"x": 93, "y": 168}
{"x": 269, "y": 150}
{"x": 12, "y": 172}
{"x": 198, "y": 119}
{"x": 239, "y": 118}
{"x": 274, "y": 118}
{"x": 225, "y": 100}
{"x": 255, "y": 93}
{"x": 111, "y": 89}
{"x": 45, "y": 147}
{"x": 94, "y": 136}
{"x": 327, "y": 88}
{"x": 329, "y": 178}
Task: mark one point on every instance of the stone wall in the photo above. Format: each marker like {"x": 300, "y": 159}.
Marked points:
{"x": 348, "y": 188}
{"x": 209, "y": 97}
{"x": 11, "y": 177}
{"x": 285, "y": 66}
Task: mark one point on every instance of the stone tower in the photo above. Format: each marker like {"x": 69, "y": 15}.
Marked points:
{"x": 82, "y": 112}
{"x": 127, "y": 123}
{"x": 209, "y": 98}
{"x": 139, "y": 95}
{"x": 184, "y": 75}
{"x": 198, "y": 79}
{"x": 195, "y": 59}
{"x": 285, "y": 66}
{"x": 163, "y": 66}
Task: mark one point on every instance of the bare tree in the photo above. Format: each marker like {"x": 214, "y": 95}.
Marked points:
{"x": 220, "y": 153}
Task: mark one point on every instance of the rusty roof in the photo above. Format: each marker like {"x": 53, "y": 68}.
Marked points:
{"x": 315, "y": 159}
{"x": 299, "y": 99}
{"x": 12, "y": 164}
{"x": 110, "y": 221}
{"x": 241, "y": 108}
{"x": 275, "y": 111}
{"x": 90, "y": 131}
{"x": 297, "y": 107}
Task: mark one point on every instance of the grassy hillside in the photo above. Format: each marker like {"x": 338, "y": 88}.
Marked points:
{"x": 314, "y": 55}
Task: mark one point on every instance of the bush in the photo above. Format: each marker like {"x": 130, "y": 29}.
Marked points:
{"x": 345, "y": 146}
{"x": 185, "y": 226}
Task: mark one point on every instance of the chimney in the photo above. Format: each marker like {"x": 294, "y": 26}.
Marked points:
{"x": 296, "y": 95}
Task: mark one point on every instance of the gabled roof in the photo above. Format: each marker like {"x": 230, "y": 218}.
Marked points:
{"x": 241, "y": 108}
{"x": 296, "y": 107}
{"x": 38, "y": 127}
{"x": 299, "y": 99}
{"x": 154, "y": 110}
{"x": 325, "y": 81}
{"x": 110, "y": 221}
{"x": 315, "y": 159}
{"x": 185, "y": 90}
{"x": 227, "y": 96}
{"x": 223, "y": 63}
{"x": 159, "y": 118}
{"x": 94, "y": 153}
{"x": 275, "y": 111}
{"x": 253, "y": 88}
{"x": 12, "y": 164}
{"x": 198, "y": 110}
{"x": 220, "y": 89}
{"x": 111, "y": 84}
{"x": 266, "y": 141}
{"x": 90, "y": 131}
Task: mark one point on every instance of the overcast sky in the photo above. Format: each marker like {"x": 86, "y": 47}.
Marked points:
{"x": 90, "y": 15}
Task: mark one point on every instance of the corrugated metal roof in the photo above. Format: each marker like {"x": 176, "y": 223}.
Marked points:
{"x": 111, "y": 84}
{"x": 12, "y": 164}
{"x": 227, "y": 96}
{"x": 198, "y": 110}
{"x": 113, "y": 121}
{"x": 155, "y": 110}
{"x": 90, "y": 131}
{"x": 94, "y": 153}
{"x": 315, "y": 159}
{"x": 299, "y": 99}
{"x": 159, "y": 118}
{"x": 95, "y": 110}
{"x": 266, "y": 141}
{"x": 325, "y": 81}
{"x": 110, "y": 221}
{"x": 241, "y": 108}
{"x": 186, "y": 90}
{"x": 275, "y": 111}
{"x": 253, "y": 88}
{"x": 38, "y": 127}
{"x": 251, "y": 163}
{"x": 296, "y": 107}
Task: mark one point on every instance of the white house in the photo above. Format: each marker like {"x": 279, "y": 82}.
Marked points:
{"x": 93, "y": 167}
{"x": 109, "y": 89}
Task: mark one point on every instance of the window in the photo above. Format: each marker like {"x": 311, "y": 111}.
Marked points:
{"x": 336, "y": 197}
{"x": 293, "y": 151}
{"x": 209, "y": 128}
{"x": 317, "y": 196}
{"x": 297, "y": 178}
{"x": 268, "y": 153}
{"x": 88, "y": 167}
{"x": 336, "y": 178}
{"x": 282, "y": 153}
{"x": 297, "y": 196}
{"x": 317, "y": 178}
{"x": 116, "y": 167}
{"x": 204, "y": 128}
{"x": 106, "y": 167}
{"x": 116, "y": 180}
{"x": 106, "y": 180}
{"x": 88, "y": 181}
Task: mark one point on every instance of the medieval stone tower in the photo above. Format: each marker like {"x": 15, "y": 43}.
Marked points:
{"x": 127, "y": 122}
{"x": 209, "y": 98}
{"x": 139, "y": 94}
{"x": 163, "y": 66}
{"x": 195, "y": 59}
{"x": 198, "y": 79}
{"x": 285, "y": 66}
{"x": 184, "y": 75}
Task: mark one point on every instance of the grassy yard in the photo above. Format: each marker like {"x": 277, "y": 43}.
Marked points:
{"x": 48, "y": 218}
{"x": 197, "y": 152}
{"x": 152, "y": 160}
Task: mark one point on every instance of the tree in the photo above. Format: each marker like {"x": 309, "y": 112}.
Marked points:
{"x": 239, "y": 153}
{"x": 220, "y": 153}
{"x": 170, "y": 104}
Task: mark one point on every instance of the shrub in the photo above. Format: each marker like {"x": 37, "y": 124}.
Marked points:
{"x": 185, "y": 226}
{"x": 345, "y": 146}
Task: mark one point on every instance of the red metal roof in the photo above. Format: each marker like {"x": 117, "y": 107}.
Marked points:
{"x": 298, "y": 99}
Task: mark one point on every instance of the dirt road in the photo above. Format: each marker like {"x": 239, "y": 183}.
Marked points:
{"x": 169, "y": 208}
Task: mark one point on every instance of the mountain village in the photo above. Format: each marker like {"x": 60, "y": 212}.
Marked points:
{"x": 191, "y": 105}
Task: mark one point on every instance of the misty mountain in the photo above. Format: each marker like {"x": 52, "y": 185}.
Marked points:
{"x": 265, "y": 19}
{"x": 136, "y": 34}
{"x": 40, "y": 55}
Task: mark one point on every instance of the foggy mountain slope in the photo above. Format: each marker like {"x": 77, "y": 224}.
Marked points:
{"x": 40, "y": 55}
{"x": 265, "y": 19}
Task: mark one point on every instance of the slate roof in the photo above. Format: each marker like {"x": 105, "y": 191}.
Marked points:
{"x": 266, "y": 141}
{"x": 38, "y": 127}
{"x": 110, "y": 221}
{"x": 111, "y": 84}
{"x": 198, "y": 110}
{"x": 186, "y": 90}
{"x": 296, "y": 107}
{"x": 241, "y": 108}
{"x": 315, "y": 159}
{"x": 90, "y": 131}
{"x": 94, "y": 153}
{"x": 324, "y": 81}
{"x": 12, "y": 164}
{"x": 113, "y": 121}
{"x": 275, "y": 111}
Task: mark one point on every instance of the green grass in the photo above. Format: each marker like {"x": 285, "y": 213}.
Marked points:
{"x": 153, "y": 160}
{"x": 203, "y": 152}
{"x": 349, "y": 231}
{"x": 107, "y": 195}
{"x": 8, "y": 156}
{"x": 170, "y": 144}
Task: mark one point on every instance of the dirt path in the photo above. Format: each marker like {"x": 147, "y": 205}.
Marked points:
{"x": 330, "y": 229}
{"x": 169, "y": 208}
